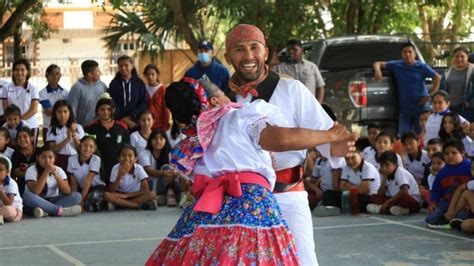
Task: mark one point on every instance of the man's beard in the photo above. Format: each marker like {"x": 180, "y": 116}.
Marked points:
{"x": 250, "y": 77}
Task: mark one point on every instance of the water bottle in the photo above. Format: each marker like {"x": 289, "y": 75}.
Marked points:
{"x": 345, "y": 205}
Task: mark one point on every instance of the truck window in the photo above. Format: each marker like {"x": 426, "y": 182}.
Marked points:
{"x": 358, "y": 55}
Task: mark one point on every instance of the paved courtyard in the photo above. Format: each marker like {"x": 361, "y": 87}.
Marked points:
{"x": 128, "y": 238}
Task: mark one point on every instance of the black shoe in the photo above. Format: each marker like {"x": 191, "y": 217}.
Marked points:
{"x": 442, "y": 223}
{"x": 456, "y": 223}
{"x": 149, "y": 206}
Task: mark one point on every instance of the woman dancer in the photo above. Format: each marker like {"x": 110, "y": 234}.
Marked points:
{"x": 235, "y": 218}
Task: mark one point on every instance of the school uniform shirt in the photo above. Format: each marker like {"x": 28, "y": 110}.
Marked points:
{"x": 466, "y": 141}
{"x": 10, "y": 187}
{"x": 138, "y": 141}
{"x": 400, "y": 178}
{"x": 433, "y": 125}
{"x": 7, "y": 152}
{"x": 369, "y": 152}
{"x": 431, "y": 179}
{"x": 14, "y": 130}
{"x": 366, "y": 172}
{"x": 3, "y": 85}
{"x": 470, "y": 185}
{"x": 61, "y": 134}
{"x": 81, "y": 170}
{"x": 22, "y": 98}
{"x": 48, "y": 97}
{"x": 416, "y": 166}
{"x": 51, "y": 183}
{"x": 131, "y": 181}
{"x": 372, "y": 159}
{"x": 470, "y": 150}
{"x": 146, "y": 159}
{"x": 322, "y": 169}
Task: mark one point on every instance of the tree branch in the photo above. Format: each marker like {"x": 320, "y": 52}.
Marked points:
{"x": 7, "y": 29}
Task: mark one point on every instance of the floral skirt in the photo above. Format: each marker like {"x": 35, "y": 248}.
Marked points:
{"x": 248, "y": 230}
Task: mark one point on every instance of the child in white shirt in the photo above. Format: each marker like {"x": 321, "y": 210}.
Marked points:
{"x": 11, "y": 204}
{"x": 414, "y": 158}
{"x": 128, "y": 183}
{"x": 383, "y": 142}
{"x": 138, "y": 139}
{"x": 398, "y": 193}
{"x": 437, "y": 163}
{"x": 14, "y": 123}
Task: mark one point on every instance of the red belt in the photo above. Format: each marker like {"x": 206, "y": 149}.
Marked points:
{"x": 212, "y": 190}
{"x": 290, "y": 179}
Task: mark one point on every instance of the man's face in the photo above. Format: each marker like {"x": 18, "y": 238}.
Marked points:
{"x": 248, "y": 59}
{"x": 408, "y": 55}
{"x": 295, "y": 52}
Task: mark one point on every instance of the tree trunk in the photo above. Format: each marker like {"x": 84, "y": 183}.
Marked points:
{"x": 7, "y": 29}
{"x": 17, "y": 41}
{"x": 183, "y": 25}
{"x": 350, "y": 17}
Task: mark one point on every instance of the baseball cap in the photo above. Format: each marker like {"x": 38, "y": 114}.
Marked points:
{"x": 206, "y": 45}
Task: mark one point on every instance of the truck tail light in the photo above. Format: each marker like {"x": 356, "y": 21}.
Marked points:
{"x": 358, "y": 93}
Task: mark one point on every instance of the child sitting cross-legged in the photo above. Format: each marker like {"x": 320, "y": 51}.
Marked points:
{"x": 463, "y": 212}
{"x": 444, "y": 194}
{"x": 398, "y": 193}
{"x": 11, "y": 204}
{"x": 128, "y": 183}
{"x": 415, "y": 159}
{"x": 362, "y": 176}
{"x": 324, "y": 185}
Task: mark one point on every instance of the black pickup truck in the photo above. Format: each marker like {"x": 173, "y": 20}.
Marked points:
{"x": 351, "y": 91}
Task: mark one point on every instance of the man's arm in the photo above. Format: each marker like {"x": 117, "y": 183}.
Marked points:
{"x": 436, "y": 82}
{"x": 320, "y": 94}
{"x": 378, "y": 70}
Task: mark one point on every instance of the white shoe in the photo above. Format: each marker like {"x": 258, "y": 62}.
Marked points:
{"x": 373, "y": 208}
{"x": 38, "y": 213}
{"x": 324, "y": 211}
{"x": 397, "y": 210}
{"x": 1, "y": 219}
{"x": 71, "y": 211}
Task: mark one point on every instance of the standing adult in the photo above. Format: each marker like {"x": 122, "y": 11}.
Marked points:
{"x": 458, "y": 81}
{"x": 207, "y": 66}
{"x": 413, "y": 95}
{"x": 86, "y": 92}
{"x": 303, "y": 70}
{"x": 246, "y": 51}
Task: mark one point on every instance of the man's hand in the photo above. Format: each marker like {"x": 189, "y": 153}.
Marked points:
{"x": 423, "y": 100}
{"x": 378, "y": 75}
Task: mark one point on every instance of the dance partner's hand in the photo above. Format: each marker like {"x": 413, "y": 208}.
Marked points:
{"x": 344, "y": 144}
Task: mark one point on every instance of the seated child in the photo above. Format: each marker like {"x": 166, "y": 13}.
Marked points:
{"x": 423, "y": 118}
{"x": 128, "y": 183}
{"x": 84, "y": 175}
{"x": 155, "y": 159}
{"x": 437, "y": 163}
{"x": 451, "y": 128}
{"x": 11, "y": 204}
{"x": 440, "y": 107}
{"x": 415, "y": 159}
{"x": 398, "y": 193}
{"x": 139, "y": 138}
{"x": 23, "y": 157}
{"x": 373, "y": 130}
{"x": 324, "y": 183}
{"x": 455, "y": 173}
{"x": 360, "y": 175}
{"x": 383, "y": 143}
{"x": 14, "y": 123}
{"x": 4, "y": 141}
{"x": 465, "y": 205}
{"x": 47, "y": 191}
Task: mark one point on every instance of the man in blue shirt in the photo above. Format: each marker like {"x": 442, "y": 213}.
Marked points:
{"x": 208, "y": 66}
{"x": 413, "y": 95}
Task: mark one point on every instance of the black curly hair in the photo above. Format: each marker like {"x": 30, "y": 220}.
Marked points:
{"x": 182, "y": 102}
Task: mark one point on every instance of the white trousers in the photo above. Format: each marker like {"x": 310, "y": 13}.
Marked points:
{"x": 295, "y": 208}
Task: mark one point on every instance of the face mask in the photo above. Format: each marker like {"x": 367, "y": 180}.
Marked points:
{"x": 203, "y": 57}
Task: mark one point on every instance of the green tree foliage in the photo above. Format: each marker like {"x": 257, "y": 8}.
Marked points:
{"x": 159, "y": 22}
